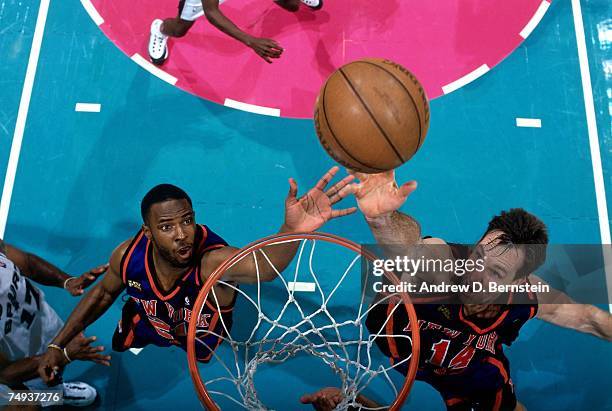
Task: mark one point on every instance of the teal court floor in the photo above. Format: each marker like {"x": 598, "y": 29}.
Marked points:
{"x": 81, "y": 176}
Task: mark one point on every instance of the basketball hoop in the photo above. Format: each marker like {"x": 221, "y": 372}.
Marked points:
{"x": 344, "y": 346}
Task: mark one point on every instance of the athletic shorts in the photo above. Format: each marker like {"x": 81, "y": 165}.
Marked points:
{"x": 191, "y": 10}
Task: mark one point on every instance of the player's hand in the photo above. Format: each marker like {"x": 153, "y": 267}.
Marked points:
{"x": 77, "y": 285}
{"x": 379, "y": 194}
{"x": 311, "y": 211}
{"x": 267, "y": 49}
{"x": 51, "y": 365}
{"x": 80, "y": 348}
{"x": 325, "y": 399}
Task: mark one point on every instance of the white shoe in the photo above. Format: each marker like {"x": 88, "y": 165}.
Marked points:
{"x": 79, "y": 394}
{"x": 158, "y": 44}
{"x": 313, "y": 4}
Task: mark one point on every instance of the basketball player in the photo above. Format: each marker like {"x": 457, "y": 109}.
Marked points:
{"x": 164, "y": 265}
{"x": 191, "y": 10}
{"x": 28, "y": 324}
{"x": 462, "y": 344}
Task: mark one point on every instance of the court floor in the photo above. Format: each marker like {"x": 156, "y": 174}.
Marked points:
{"x": 80, "y": 176}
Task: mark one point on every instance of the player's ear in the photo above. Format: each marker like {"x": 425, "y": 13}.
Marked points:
{"x": 146, "y": 231}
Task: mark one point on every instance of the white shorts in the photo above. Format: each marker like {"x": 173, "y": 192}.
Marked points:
{"x": 191, "y": 10}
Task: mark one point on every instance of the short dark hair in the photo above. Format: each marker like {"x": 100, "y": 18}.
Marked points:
{"x": 159, "y": 194}
{"x": 525, "y": 230}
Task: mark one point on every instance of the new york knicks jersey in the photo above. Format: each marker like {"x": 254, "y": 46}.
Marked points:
{"x": 451, "y": 343}
{"x": 152, "y": 316}
{"x": 27, "y": 322}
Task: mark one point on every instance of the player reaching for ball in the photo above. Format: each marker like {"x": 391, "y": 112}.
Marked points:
{"x": 462, "y": 354}
{"x": 28, "y": 324}
{"x": 164, "y": 265}
{"x": 190, "y": 10}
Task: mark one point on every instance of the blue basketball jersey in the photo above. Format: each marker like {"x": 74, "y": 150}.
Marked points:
{"x": 152, "y": 316}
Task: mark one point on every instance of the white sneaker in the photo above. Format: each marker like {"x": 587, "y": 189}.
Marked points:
{"x": 313, "y": 4}
{"x": 79, "y": 394}
{"x": 158, "y": 44}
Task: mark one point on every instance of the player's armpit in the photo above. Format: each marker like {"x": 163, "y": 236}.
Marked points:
{"x": 558, "y": 308}
{"x": 211, "y": 260}
{"x": 244, "y": 271}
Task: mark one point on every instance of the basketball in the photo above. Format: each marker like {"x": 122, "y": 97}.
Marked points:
{"x": 372, "y": 115}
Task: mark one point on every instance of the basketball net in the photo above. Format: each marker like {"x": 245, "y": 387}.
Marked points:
{"x": 344, "y": 345}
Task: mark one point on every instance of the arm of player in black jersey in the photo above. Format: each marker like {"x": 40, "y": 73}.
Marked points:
{"x": 302, "y": 215}
{"x": 558, "y": 308}
{"x": 247, "y": 271}
{"x": 266, "y": 48}
{"x": 95, "y": 303}
{"x": 379, "y": 199}
{"x": 327, "y": 399}
{"x": 43, "y": 272}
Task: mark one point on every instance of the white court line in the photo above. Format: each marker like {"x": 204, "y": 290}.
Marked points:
{"x": 535, "y": 20}
{"x": 468, "y": 78}
{"x": 528, "y": 122}
{"x": 93, "y": 13}
{"x": 252, "y": 108}
{"x": 22, "y": 115}
{"x": 303, "y": 287}
{"x": 88, "y": 107}
{"x": 589, "y": 105}
{"x": 151, "y": 68}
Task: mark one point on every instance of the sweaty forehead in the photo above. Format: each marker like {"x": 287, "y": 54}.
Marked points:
{"x": 169, "y": 210}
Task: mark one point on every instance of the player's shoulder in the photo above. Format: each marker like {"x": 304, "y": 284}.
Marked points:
{"x": 119, "y": 252}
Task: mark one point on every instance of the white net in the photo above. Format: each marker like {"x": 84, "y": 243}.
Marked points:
{"x": 314, "y": 311}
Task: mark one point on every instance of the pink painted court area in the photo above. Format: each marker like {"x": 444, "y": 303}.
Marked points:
{"x": 445, "y": 43}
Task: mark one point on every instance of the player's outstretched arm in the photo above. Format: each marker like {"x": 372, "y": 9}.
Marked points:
{"x": 43, "y": 272}
{"x": 558, "y": 308}
{"x": 379, "y": 199}
{"x": 302, "y": 215}
{"x": 25, "y": 369}
{"x": 89, "y": 309}
{"x": 267, "y": 49}
{"x": 327, "y": 399}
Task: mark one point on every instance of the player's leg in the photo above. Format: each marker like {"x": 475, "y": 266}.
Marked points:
{"x": 188, "y": 12}
{"x": 175, "y": 27}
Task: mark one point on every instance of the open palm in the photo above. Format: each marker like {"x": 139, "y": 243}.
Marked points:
{"x": 379, "y": 194}
{"x": 312, "y": 210}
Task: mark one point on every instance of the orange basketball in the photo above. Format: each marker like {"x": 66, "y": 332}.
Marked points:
{"x": 372, "y": 115}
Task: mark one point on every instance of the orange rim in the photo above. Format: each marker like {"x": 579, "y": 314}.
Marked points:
{"x": 203, "y": 394}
